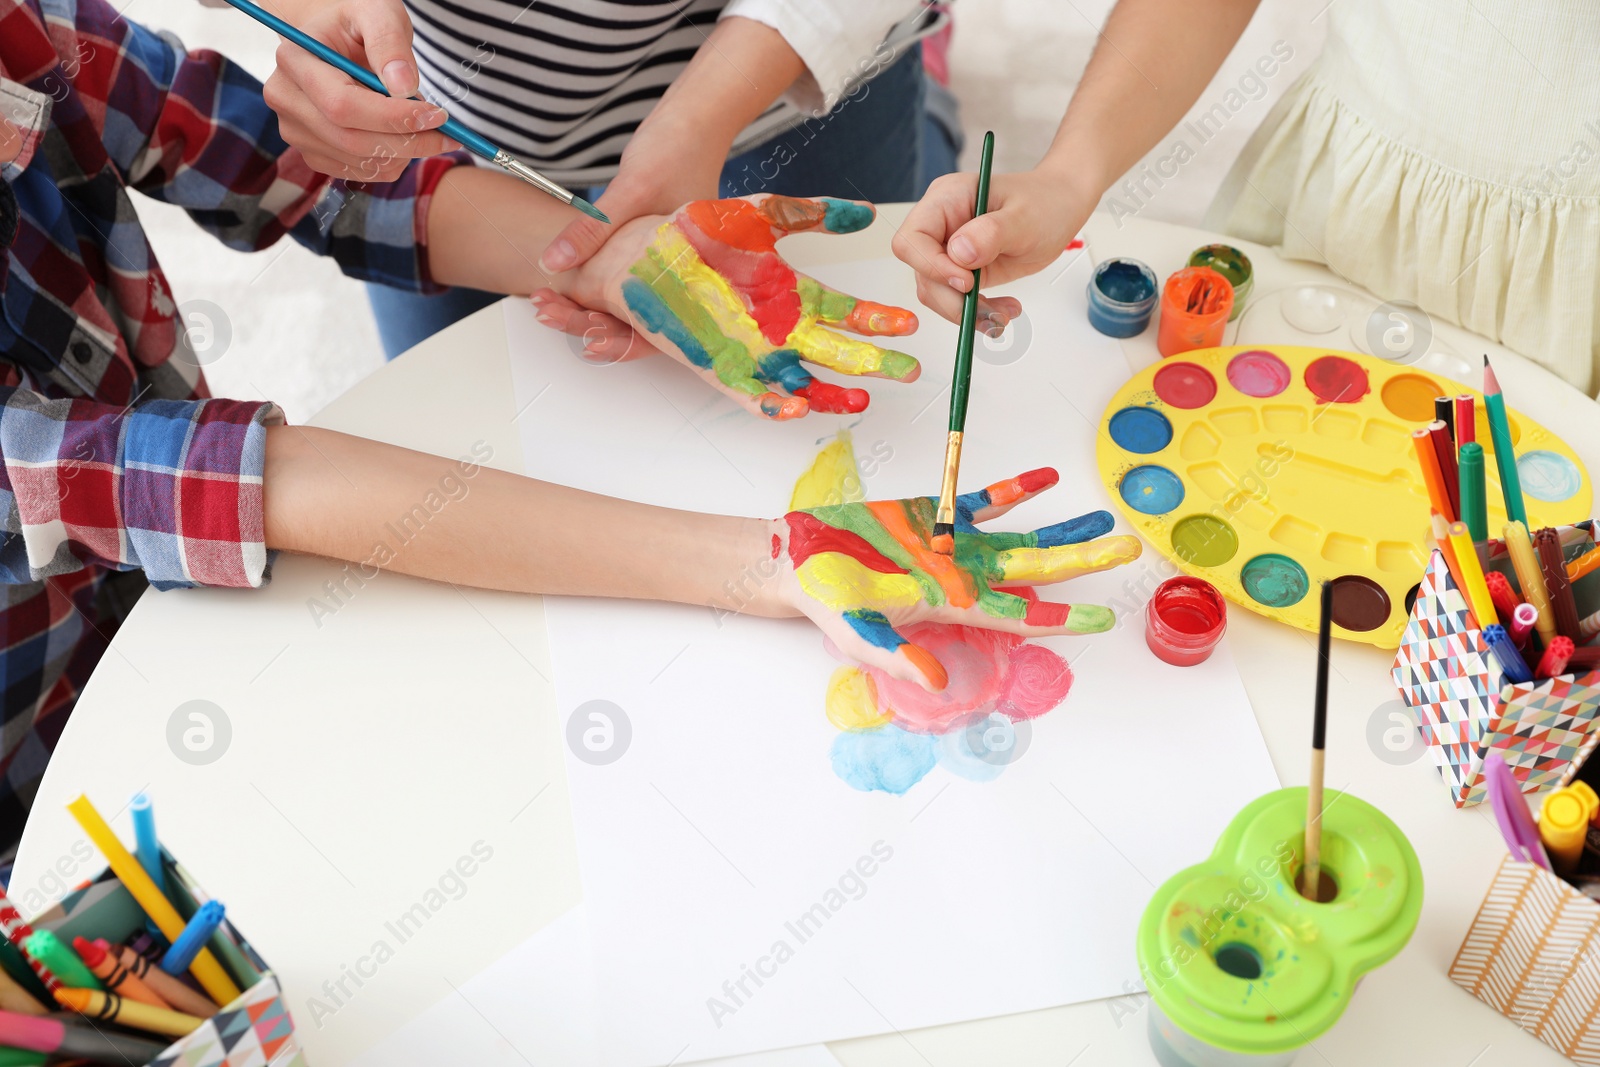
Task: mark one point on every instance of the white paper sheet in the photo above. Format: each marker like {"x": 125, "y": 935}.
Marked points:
{"x": 722, "y": 823}
{"x": 536, "y": 1004}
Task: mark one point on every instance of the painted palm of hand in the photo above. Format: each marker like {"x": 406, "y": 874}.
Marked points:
{"x": 712, "y": 285}
{"x": 863, "y": 570}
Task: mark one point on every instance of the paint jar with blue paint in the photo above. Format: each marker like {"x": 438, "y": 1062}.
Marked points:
{"x": 1122, "y": 295}
{"x": 1243, "y": 970}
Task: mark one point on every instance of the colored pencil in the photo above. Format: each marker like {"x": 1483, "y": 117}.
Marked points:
{"x": 15, "y": 998}
{"x": 1432, "y": 476}
{"x": 1554, "y": 660}
{"x": 1311, "y": 883}
{"x": 1441, "y": 537}
{"x": 1505, "y": 601}
{"x": 1445, "y": 449}
{"x": 1505, "y": 456}
{"x": 1466, "y": 419}
{"x": 207, "y": 971}
{"x": 1473, "y": 495}
{"x": 1444, "y": 409}
{"x": 1531, "y": 577}
{"x": 1547, "y": 544}
{"x": 1588, "y": 626}
{"x": 1477, "y": 589}
{"x": 1584, "y": 565}
{"x": 944, "y": 528}
{"x": 469, "y": 140}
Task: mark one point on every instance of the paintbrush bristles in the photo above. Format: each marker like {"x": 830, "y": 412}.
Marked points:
{"x": 1312, "y": 878}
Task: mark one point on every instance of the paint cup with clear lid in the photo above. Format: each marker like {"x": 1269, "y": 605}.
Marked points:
{"x": 1122, "y": 295}
{"x": 1242, "y": 969}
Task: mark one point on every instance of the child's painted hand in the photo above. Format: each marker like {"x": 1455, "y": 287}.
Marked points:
{"x": 861, "y": 571}
{"x": 707, "y": 287}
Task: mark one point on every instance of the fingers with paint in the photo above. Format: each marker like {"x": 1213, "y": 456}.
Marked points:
{"x": 863, "y": 571}
{"x": 712, "y": 285}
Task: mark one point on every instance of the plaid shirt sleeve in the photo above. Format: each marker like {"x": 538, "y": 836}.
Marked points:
{"x": 192, "y": 129}
{"x": 170, "y": 486}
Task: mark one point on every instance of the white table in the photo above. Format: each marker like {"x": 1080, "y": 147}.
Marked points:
{"x": 374, "y": 746}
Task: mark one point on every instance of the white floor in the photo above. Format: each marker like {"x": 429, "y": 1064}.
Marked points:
{"x": 302, "y": 333}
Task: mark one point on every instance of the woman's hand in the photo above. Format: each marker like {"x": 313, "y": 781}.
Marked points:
{"x": 862, "y": 571}
{"x": 706, "y": 287}
{"x": 341, "y": 127}
{"x": 1032, "y": 217}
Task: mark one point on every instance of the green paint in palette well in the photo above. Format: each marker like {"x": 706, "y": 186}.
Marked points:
{"x": 1275, "y": 581}
{"x": 1204, "y": 540}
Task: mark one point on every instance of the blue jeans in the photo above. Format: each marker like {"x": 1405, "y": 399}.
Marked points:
{"x": 879, "y": 144}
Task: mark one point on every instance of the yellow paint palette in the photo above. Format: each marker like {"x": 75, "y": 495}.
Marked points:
{"x": 1266, "y": 471}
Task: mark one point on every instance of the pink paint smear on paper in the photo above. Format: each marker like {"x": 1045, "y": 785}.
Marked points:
{"x": 997, "y": 680}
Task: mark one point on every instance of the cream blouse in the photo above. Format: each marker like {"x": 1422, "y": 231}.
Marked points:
{"x": 1445, "y": 152}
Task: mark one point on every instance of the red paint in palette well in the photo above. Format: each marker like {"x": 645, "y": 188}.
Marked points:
{"x": 1185, "y": 385}
{"x": 1336, "y": 380}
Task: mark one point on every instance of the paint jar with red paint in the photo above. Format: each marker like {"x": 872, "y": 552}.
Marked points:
{"x": 1185, "y": 620}
{"x": 1195, "y": 306}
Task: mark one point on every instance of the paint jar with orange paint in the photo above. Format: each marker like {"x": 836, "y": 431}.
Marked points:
{"x": 1195, "y": 306}
{"x": 1185, "y": 620}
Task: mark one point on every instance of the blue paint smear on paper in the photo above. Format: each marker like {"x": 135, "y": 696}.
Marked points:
{"x": 887, "y": 759}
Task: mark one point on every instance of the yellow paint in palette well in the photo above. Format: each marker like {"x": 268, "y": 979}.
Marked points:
{"x": 1247, "y": 467}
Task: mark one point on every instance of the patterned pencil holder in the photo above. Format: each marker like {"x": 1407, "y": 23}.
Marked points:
{"x": 1533, "y": 955}
{"x": 255, "y": 1030}
{"x": 1543, "y": 729}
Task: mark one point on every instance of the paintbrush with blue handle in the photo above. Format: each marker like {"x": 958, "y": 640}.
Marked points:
{"x": 472, "y": 142}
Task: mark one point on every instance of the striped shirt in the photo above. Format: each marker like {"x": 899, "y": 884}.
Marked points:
{"x": 562, "y": 84}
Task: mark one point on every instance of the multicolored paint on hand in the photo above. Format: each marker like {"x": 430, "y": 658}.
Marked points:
{"x": 712, "y": 285}
{"x": 863, "y": 570}
{"x": 923, "y": 690}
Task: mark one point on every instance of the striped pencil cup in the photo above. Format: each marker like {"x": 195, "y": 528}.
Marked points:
{"x": 1533, "y": 955}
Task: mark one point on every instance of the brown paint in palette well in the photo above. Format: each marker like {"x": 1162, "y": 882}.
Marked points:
{"x": 1359, "y": 603}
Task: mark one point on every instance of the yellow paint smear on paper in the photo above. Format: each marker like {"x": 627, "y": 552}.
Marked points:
{"x": 853, "y": 700}
{"x": 831, "y": 479}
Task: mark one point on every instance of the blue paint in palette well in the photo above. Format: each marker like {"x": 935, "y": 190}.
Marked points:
{"x": 1141, "y": 430}
{"x": 1151, "y": 489}
{"x": 1548, "y": 476}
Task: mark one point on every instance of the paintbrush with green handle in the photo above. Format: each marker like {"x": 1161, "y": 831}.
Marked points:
{"x": 944, "y": 525}
{"x": 480, "y": 146}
